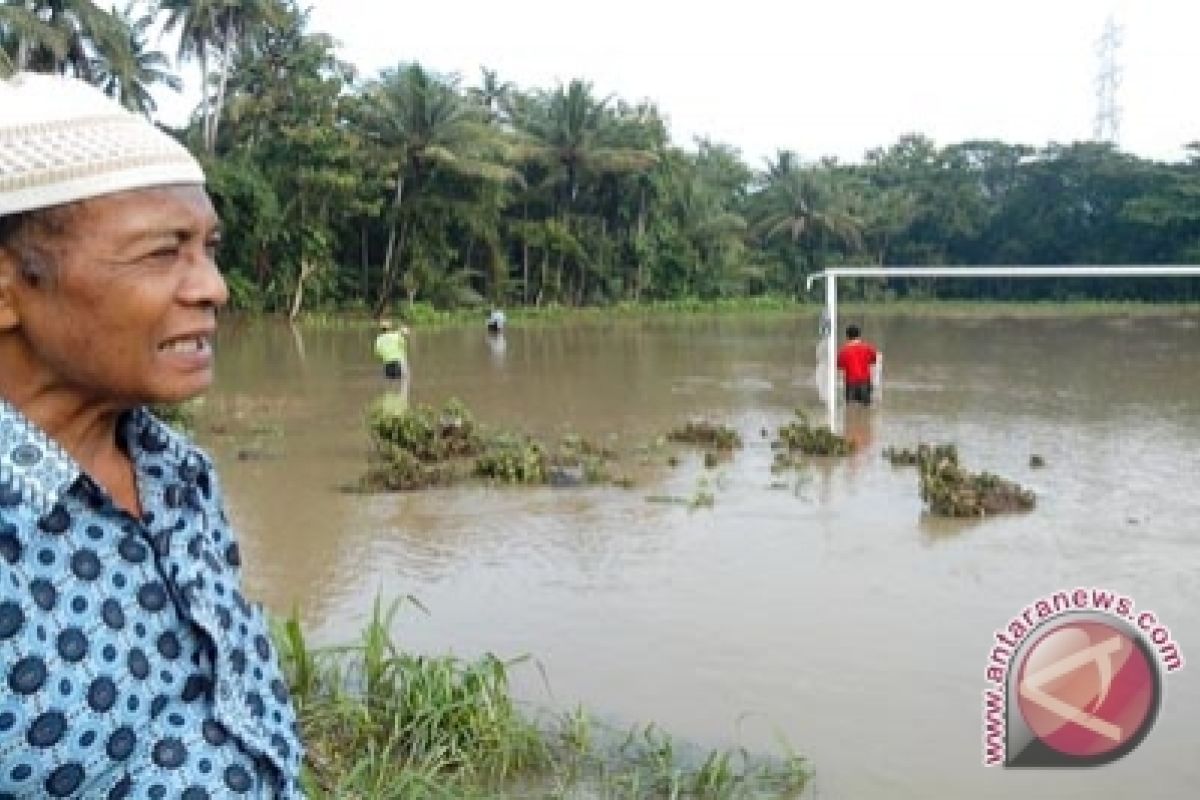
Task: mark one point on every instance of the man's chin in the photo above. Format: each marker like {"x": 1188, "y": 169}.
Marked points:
{"x": 176, "y": 395}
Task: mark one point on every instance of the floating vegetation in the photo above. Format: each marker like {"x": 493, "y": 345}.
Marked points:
{"x": 380, "y": 722}
{"x": 508, "y": 459}
{"x": 800, "y": 437}
{"x": 707, "y": 434}
{"x": 417, "y": 448}
{"x": 702, "y": 497}
{"x": 785, "y": 460}
{"x": 951, "y": 491}
{"x": 924, "y": 453}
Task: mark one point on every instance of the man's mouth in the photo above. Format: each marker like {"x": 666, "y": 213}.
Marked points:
{"x": 186, "y": 345}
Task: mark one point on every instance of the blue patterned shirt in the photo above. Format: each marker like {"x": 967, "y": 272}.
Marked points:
{"x": 130, "y": 663}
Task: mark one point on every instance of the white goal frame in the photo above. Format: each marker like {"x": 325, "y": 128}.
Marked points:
{"x": 831, "y": 276}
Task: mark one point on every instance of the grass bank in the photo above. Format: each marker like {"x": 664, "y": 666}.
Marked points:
{"x": 382, "y": 723}
{"x": 425, "y": 316}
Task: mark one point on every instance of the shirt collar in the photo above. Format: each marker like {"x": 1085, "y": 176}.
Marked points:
{"x": 36, "y": 466}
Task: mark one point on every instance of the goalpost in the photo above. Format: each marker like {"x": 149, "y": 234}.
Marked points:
{"x": 831, "y": 275}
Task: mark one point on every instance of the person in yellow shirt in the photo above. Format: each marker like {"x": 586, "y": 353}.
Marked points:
{"x": 391, "y": 347}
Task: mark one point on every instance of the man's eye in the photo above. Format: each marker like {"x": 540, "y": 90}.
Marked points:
{"x": 164, "y": 252}
{"x": 212, "y": 246}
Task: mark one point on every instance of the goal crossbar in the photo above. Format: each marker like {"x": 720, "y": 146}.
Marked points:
{"x": 832, "y": 274}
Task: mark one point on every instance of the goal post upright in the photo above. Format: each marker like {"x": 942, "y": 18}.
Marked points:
{"x": 831, "y": 347}
{"x": 831, "y": 275}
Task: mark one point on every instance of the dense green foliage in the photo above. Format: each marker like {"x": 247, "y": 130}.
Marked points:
{"x": 341, "y": 191}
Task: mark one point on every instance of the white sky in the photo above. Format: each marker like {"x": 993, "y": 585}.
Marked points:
{"x": 821, "y": 77}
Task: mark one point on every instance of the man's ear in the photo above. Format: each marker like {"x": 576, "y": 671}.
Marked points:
{"x": 9, "y": 280}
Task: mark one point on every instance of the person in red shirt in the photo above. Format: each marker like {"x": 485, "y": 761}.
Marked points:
{"x": 855, "y": 359}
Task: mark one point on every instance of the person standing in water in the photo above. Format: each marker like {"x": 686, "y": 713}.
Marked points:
{"x": 855, "y": 359}
{"x": 391, "y": 347}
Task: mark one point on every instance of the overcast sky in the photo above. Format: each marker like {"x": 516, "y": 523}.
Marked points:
{"x": 835, "y": 77}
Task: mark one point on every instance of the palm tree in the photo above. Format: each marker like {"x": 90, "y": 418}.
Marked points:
{"x": 65, "y": 36}
{"x": 713, "y": 234}
{"x": 810, "y": 206}
{"x": 492, "y": 94}
{"x": 23, "y": 32}
{"x": 129, "y": 72}
{"x": 198, "y": 28}
{"x": 567, "y": 137}
{"x": 570, "y": 133}
{"x": 422, "y": 125}
{"x": 236, "y": 20}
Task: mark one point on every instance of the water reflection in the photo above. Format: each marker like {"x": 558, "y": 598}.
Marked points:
{"x": 859, "y": 430}
{"x": 394, "y": 398}
{"x": 497, "y": 347}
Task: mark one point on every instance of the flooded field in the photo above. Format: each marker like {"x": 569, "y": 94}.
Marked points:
{"x": 820, "y": 607}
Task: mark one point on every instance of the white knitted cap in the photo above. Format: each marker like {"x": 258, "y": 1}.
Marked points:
{"x": 63, "y": 140}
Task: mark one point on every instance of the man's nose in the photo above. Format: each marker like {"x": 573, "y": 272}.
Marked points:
{"x": 204, "y": 284}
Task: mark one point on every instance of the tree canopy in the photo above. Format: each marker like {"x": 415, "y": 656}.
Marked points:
{"x": 340, "y": 190}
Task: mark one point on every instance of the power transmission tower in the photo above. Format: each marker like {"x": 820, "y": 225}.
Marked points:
{"x": 1107, "y": 126}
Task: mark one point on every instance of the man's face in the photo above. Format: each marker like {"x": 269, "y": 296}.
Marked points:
{"x": 130, "y": 315}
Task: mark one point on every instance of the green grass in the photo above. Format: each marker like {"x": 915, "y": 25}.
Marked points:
{"x": 382, "y": 723}
{"x": 422, "y": 315}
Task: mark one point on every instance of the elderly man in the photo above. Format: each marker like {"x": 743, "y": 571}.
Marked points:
{"x": 131, "y": 664}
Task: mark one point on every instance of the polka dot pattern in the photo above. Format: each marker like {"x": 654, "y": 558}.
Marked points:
{"x": 124, "y": 670}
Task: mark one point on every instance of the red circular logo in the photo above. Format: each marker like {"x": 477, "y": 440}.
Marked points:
{"x": 1087, "y": 688}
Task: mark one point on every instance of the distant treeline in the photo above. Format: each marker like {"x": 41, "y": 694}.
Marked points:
{"x": 340, "y": 191}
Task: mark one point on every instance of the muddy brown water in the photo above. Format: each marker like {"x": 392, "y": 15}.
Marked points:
{"x": 823, "y": 608}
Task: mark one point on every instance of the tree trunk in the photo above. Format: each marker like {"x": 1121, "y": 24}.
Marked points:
{"x": 525, "y": 272}
{"x": 366, "y": 265}
{"x": 389, "y": 253}
{"x": 641, "y": 257}
{"x": 470, "y": 252}
{"x": 298, "y": 297}
{"x": 545, "y": 275}
{"x": 225, "y": 56}
{"x": 558, "y": 277}
{"x": 204, "y": 112}
{"x": 389, "y": 276}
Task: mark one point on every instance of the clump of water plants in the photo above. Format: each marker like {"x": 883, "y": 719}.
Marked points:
{"x": 924, "y": 453}
{"x": 718, "y": 440}
{"x": 950, "y": 490}
{"x": 417, "y": 448}
{"x": 516, "y": 459}
{"x": 707, "y": 434}
{"x": 512, "y": 459}
{"x": 381, "y": 722}
{"x": 801, "y": 437}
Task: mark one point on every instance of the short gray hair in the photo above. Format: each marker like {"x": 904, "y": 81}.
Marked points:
{"x": 27, "y": 236}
